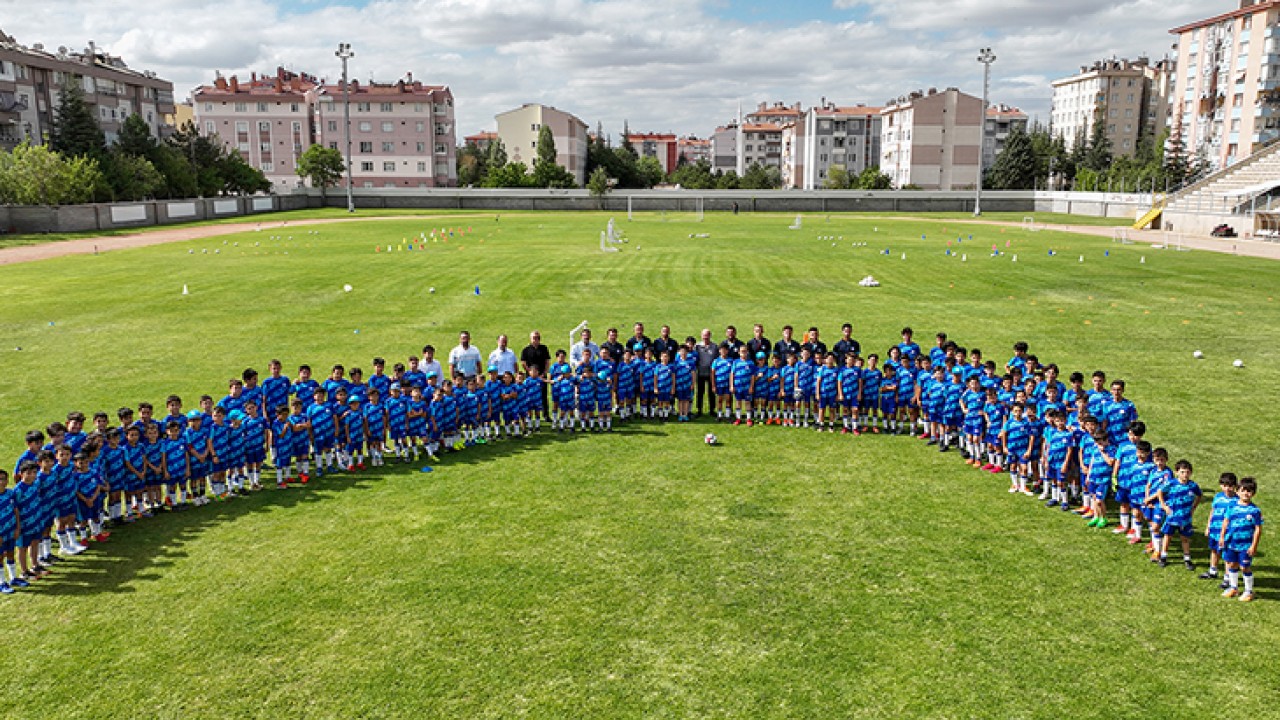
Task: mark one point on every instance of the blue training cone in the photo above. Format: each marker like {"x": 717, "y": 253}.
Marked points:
{"x": 477, "y": 289}
{"x": 427, "y": 468}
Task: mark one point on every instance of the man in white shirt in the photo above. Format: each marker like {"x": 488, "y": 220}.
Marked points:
{"x": 503, "y": 358}
{"x": 429, "y": 363}
{"x": 575, "y": 352}
{"x": 465, "y": 358}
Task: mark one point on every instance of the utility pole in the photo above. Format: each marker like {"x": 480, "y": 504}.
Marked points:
{"x": 986, "y": 57}
{"x": 344, "y": 52}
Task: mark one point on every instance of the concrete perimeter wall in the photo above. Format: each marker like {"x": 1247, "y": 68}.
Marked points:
{"x": 111, "y": 216}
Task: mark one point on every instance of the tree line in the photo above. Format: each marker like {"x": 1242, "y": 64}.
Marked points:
{"x": 76, "y": 164}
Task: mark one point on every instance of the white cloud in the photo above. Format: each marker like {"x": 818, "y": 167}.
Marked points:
{"x": 679, "y": 65}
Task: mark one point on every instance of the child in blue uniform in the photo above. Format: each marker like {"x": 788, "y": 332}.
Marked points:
{"x": 26, "y": 497}
{"x": 740, "y": 384}
{"x": 562, "y": 392}
{"x": 586, "y": 399}
{"x": 176, "y": 464}
{"x": 683, "y": 370}
{"x": 355, "y": 432}
{"x": 994, "y": 413}
{"x": 280, "y": 437}
{"x": 301, "y": 437}
{"x": 375, "y": 420}
{"x": 220, "y": 444}
{"x": 1118, "y": 413}
{"x": 1125, "y": 453}
{"x": 153, "y": 457}
{"x": 1241, "y": 531}
{"x": 199, "y": 448}
{"x": 849, "y": 390}
{"x": 889, "y": 399}
{"x": 787, "y": 389}
{"x": 663, "y": 385}
{"x": 324, "y": 431}
{"x": 134, "y": 458}
{"x": 8, "y": 535}
{"x": 1222, "y": 502}
{"x": 971, "y": 401}
{"x": 1015, "y": 441}
{"x": 397, "y": 421}
{"x": 1179, "y": 500}
{"x": 255, "y": 426}
{"x": 722, "y": 379}
{"x": 88, "y": 491}
{"x": 415, "y": 422}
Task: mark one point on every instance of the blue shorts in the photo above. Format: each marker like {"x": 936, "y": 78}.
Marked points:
{"x": 324, "y": 444}
{"x": 255, "y": 455}
{"x": 199, "y": 470}
{"x": 663, "y": 396}
{"x": 866, "y": 404}
{"x": 1212, "y": 539}
{"x": 281, "y": 458}
{"x": 953, "y": 419}
{"x": 1098, "y": 490}
{"x": 973, "y": 425}
{"x": 397, "y": 433}
{"x": 30, "y": 536}
{"x": 604, "y": 405}
{"x": 1181, "y": 526}
{"x": 85, "y": 511}
{"x": 684, "y": 394}
{"x": 355, "y": 446}
{"x": 888, "y": 404}
{"x": 1053, "y": 473}
{"x": 1237, "y": 556}
{"x": 6, "y": 541}
{"x": 825, "y": 402}
{"x": 1122, "y": 495}
{"x": 722, "y": 389}
{"x": 1154, "y": 514}
{"x": 586, "y": 406}
{"x": 742, "y": 395}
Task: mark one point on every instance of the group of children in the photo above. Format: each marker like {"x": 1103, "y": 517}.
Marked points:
{"x": 1076, "y": 446}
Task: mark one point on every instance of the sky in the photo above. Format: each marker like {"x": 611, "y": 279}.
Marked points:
{"x": 678, "y": 66}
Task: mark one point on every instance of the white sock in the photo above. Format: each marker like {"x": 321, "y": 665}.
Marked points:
{"x": 1248, "y": 582}
{"x": 1233, "y": 578}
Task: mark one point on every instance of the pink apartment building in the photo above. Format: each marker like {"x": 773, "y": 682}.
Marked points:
{"x": 267, "y": 119}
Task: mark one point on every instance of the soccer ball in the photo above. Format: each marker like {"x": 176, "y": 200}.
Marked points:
{"x": 431, "y": 290}
{"x": 1238, "y": 363}
{"x": 710, "y": 439}
{"x": 346, "y": 288}
{"x": 1197, "y": 354}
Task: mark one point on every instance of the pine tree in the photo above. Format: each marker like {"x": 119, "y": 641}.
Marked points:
{"x": 1015, "y": 166}
{"x": 76, "y": 132}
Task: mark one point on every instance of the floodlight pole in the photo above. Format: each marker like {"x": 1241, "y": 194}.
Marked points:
{"x": 986, "y": 57}
{"x": 344, "y": 52}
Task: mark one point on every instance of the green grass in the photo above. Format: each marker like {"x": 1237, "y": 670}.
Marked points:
{"x": 783, "y": 574}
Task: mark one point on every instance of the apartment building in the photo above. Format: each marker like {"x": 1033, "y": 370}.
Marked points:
{"x": 724, "y": 148}
{"x": 693, "y": 149}
{"x": 32, "y": 77}
{"x": 266, "y": 118}
{"x": 831, "y": 136}
{"x": 1001, "y": 120}
{"x": 519, "y": 129}
{"x": 1226, "y": 96}
{"x": 1128, "y": 96}
{"x": 662, "y": 146}
{"x": 932, "y": 140}
{"x": 481, "y": 140}
{"x": 402, "y": 133}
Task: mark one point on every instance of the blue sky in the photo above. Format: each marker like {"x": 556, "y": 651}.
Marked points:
{"x": 661, "y": 65}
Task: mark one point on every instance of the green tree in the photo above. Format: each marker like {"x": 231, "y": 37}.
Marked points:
{"x": 728, "y": 181}
{"x": 471, "y": 165}
{"x": 179, "y": 177}
{"x": 239, "y": 177}
{"x": 694, "y": 176}
{"x": 757, "y": 177}
{"x": 75, "y": 131}
{"x": 203, "y": 154}
{"x": 131, "y": 177}
{"x": 321, "y": 165}
{"x": 872, "y": 179}
{"x": 837, "y": 179}
{"x": 1098, "y": 155}
{"x": 598, "y": 184}
{"x": 510, "y": 175}
{"x": 136, "y": 138}
{"x": 1016, "y": 167}
{"x": 495, "y": 155}
{"x": 37, "y": 175}
{"x": 649, "y": 169}
{"x": 546, "y": 171}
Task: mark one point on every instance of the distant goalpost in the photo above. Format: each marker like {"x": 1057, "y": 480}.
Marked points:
{"x": 1029, "y": 223}
{"x": 1121, "y": 235}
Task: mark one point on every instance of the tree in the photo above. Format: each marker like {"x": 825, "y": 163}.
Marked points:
{"x": 239, "y": 177}
{"x": 511, "y": 175}
{"x": 471, "y": 165}
{"x": 728, "y": 181}
{"x": 495, "y": 155}
{"x": 136, "y": 138}
{"x": 321, "y": 165}
{"x": 1098, "y": 156}
{"x": 36, "y": 175}
{"x": 598, "y": 184}
{"x": 694, "y": 176}
{"x": 1015, "y": 167}
{"x": 649, "y": 169}
{"x": 203, "y": 155}
{"x": 76, "y": 132}
{"x": 179, "y": 177}
{"x": 837, "y": 179}
{"x": 758, "y": 177}
{"x": 872, "y": 179}
{"x": 131, "y": 177}
{"x": 546, "y": 171}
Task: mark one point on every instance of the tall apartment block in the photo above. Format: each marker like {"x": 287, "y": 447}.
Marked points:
{"x": 1129, "y": 97}
{"x": 31, "y": 78}
{"x": 1226, "y": 98}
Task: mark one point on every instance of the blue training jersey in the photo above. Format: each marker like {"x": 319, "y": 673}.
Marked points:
{"x": 1241, "y": 522}
{"x": 1180, "y": 498}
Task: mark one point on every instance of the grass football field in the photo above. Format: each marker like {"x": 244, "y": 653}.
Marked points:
{"x": 643, "y": 574}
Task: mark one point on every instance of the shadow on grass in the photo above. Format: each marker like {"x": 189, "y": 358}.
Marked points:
{"x": 142, "y": 551}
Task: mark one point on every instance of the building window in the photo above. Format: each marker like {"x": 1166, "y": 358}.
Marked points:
{"x": 262, "y": 107}
{"x": 440, "y": 150}
{"x": 362, "y": 107}
{"x": 535, "y": 127}
{"x": 264, "y": 126}
{"x": 422, "y": 147}
{"x": 266, "y": 166}
{"x": 366, "y": 127}
{"x": 420, "y": 126}
{"x": 422, "y": 167}
{"x": 385, "y": 107}
{"x": 333, "y": 126}
{"x": 366, "y": 167}
{"x": 208, "y": 107}
{"x": 388, "y": 127}
{"x": 209, "y": 127}
{"x": 240, "y": 107}
{"x": 388, "y": 147}
{"x": 366, "y": 147}
{"x": 293, "y": 107}
{"x": 442, "y": 168}
{"x": 417, "y": 107}
{"x": 389, "y": 166}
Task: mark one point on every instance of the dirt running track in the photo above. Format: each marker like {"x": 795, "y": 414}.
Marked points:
{"x": 92, "y": 246}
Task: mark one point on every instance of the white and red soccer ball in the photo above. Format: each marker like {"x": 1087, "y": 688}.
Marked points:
{"x": 710, "y": 439}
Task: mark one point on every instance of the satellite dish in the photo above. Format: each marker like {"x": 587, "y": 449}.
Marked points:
{"x": 62, "y": 49}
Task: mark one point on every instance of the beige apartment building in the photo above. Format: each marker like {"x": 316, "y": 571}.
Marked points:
{"x": 1129, "y": 97}
{"x": 932, "y": 140}
{"x": 519, "y": 129}
{"x": 31, "y": 78}
{"x": 1226, "y": 98}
